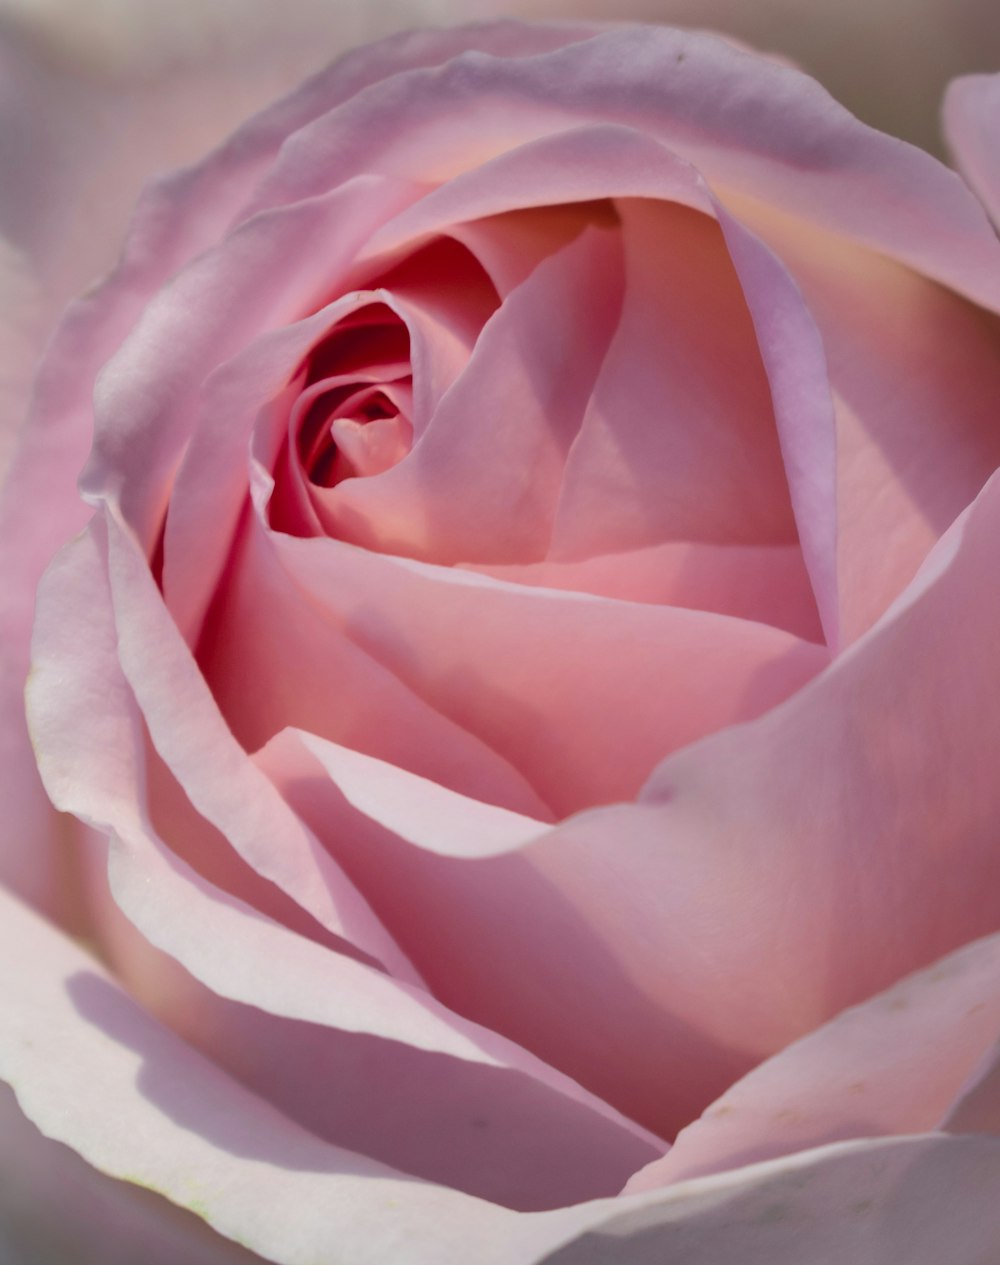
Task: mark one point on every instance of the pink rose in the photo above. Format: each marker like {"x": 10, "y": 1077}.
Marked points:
{"x": 519, "y": 677}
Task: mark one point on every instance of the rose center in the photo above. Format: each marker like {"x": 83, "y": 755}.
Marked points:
{"x": 362, "y": 433}
{"x": 352, "y": 418}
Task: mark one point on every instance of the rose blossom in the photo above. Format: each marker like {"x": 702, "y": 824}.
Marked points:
{"x": 542, "y": 503}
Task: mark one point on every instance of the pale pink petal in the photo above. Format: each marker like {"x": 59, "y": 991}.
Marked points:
{"x": 187, "y": 730}
{"x": 260, "y": 277}
{"x": 91, "y": 110}
{"x": 99, "y": 1219}
{"x": 263, "y": 629}
{"x": 140, "y": 1104}
{"x": 662, "y": 424}
{"x": 768, "y": 583}
{"x": 888, "y": 62}
{"x": 94, "y": 767}
{"x": 913, "y": 875}
{"x": 915, "y": 373}
{"x": 971, "y": 120}
{"x": 977, "y": 1108}
{"x": 893, "y": 1065}
{"x": 747, "y": 124}
{"x": 414, "y": 808}
{"x": 792, "y": 353}
{"x": 922, "y": 1200}
{"x": 488, "y": 1129}
{"x": 575, "y": 746}
{"x": 709, "y": 916}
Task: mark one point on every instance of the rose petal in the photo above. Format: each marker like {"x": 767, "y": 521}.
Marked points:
{"x": 768, "y": 584}
{"x": 914, "y": 370}
{"x": 181, "y": 1127}
{"x": 971, "y": 111}
{"x": 748, "y": 124}
{"x": 141, "y": 1105}
{"x": 575, "y": 746}
{"x": 93, "y": 766}
{"x": 473, "y": 1125}
{"x": 662, "y": 424}
{"x": 423, "y": 812}
{"x": 588, "y": 163}
{"x": 893, "y": 1065}
{"x": 519, "y": 400}
{"x": 977, "y": 1108}
{"x": 693, "y": 974}
{"x": 262, "y": 632}
{"x": 99, "y": 1218}
{"x": 921, "y": 1200}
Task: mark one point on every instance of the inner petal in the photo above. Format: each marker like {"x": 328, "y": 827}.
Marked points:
{"x": 679, "y": 441}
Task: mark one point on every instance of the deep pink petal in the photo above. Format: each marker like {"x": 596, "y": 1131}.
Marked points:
{"x": 482, "y": 482}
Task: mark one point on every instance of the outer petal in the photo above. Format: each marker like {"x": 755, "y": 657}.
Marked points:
{"x": 748, "y": 125}
{"x": 896, "y": 1064}
{"x": 90, "y": 110}
{"x": 915, "y": 372}
{"x": 922, "y": 1200}
{"x": 95, "y": 767}
{"x": 100, "y": 1221}
{"x": 182, "y": 1128}
{"x": 888, "y": 63}
{"x": 971, "y": 121}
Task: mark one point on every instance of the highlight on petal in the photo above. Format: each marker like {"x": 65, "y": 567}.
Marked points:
{"x": 99, "y": 1218}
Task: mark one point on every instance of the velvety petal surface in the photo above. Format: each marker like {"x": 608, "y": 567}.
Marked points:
{"x": 768, "y": 584}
